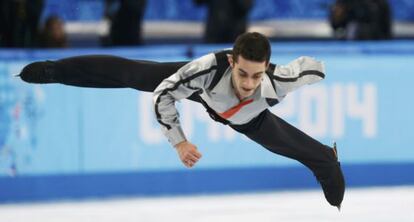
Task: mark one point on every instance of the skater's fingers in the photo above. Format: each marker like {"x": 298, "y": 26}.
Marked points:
{"x": 193, "y": 155}
{"x": 197, "y": 154}
{"x": 188, "y": 153}
{"x": 191, "y": 158}
{"x": 189, "y": 163}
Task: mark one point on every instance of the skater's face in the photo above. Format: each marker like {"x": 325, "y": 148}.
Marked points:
{"x": 246, "y": 76}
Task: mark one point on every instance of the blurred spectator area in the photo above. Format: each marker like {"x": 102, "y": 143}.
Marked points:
{"x": 167, "y": 21}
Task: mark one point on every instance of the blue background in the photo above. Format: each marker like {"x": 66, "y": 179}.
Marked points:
{"x": 186, "y": 10}
{"x": 65, "y": 142}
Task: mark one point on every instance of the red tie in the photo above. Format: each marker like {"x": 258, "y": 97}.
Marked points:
{"x": 233, "y": 110}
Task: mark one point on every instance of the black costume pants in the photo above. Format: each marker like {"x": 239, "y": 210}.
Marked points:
{"x": 267, "y": 129}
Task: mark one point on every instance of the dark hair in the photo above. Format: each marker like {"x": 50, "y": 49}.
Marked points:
{"x": 252, "y": 46}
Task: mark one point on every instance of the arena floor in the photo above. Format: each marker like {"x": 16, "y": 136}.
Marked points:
{"x": 367, "y": 204}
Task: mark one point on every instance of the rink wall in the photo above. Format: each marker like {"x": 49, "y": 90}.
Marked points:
{"x": 60, "y": 142}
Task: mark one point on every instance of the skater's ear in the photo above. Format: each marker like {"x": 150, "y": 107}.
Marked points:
{"x": 230, "y": 60}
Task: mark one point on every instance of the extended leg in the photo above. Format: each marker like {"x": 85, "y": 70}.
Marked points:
{"x": 280, "y": 137}
{"x": 101, "y": 71}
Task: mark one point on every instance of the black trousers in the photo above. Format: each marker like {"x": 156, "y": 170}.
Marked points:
{"x": 267, "y": 129}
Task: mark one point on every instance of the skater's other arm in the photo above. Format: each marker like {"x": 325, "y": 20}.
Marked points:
{"x": 301, "y": 71}
{"x": 192, "y": 78}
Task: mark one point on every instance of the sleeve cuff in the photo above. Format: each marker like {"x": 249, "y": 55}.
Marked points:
{"x": 175, "y": 136}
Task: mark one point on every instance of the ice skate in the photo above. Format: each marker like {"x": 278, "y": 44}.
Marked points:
{"x": 38, "y": 72}
{"x": 333, "y": 182}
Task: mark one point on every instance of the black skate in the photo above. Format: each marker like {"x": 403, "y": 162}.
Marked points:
{"x": 333, "y": 182}
{"x": 38, "y": 72}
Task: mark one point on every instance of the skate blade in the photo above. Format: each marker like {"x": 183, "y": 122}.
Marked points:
{"x": 335, "y": 150}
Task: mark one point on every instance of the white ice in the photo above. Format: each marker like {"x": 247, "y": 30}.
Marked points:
{"x": 367, "y": 204}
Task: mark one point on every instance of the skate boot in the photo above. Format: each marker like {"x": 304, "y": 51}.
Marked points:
{"x": 38, "y": 72}
{"x": 333, "y": 182}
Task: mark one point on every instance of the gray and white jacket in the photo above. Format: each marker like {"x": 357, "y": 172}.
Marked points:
{"x": 208, "y": 80}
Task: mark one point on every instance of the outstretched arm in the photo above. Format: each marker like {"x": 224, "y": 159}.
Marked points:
{"x": 191, "y": 78}
{"x": 301, "y": 71}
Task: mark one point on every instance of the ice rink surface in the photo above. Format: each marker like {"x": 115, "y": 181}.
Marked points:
{"x": 364, "y": 204}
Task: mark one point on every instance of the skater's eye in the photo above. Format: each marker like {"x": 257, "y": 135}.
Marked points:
{"x": 258, "y": 76}
{"x": 244, "y": 75}
{"x": 255, "y": 76}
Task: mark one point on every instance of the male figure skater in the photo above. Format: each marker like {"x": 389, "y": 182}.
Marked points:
{"x": 235, "y": 86}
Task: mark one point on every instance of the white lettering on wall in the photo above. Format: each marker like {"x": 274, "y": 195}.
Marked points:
{"x": 365, "y": 108}
{"x": 338, "y": 116}
{"x": 287, "y": 108}
{"x": 313, "y": 110}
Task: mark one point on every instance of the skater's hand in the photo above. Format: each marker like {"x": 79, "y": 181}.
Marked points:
{"x": 188, "y": 153}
